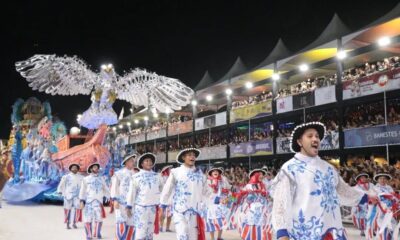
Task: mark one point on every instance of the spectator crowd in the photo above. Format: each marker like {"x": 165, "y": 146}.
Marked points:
{"x": 252, "y": 100}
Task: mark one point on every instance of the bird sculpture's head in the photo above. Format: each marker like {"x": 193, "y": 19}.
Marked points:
{"x": 107, "y": 75}
{"x": 108, "y": 68}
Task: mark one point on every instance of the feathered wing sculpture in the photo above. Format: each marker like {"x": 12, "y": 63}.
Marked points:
{"x": 71, "y": 76}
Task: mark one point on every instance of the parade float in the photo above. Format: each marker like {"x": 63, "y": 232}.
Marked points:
{"x": 39, "y": 146}
{"x": 32, "y": 141}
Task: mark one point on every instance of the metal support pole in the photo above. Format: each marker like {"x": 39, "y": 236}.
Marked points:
{"x": 385, "y": 107}
{"x": 209, "y": 144}
{"x": 339, "y": 99}
{"x": 387, "y": 153}
{"x": 249, "y": 139}
{"x": 228, "y": 121}
{"x": 386, "y": 123}
{"x": 166, "y": 140}
{"x": 273, "y": 102}
{"x": 194, "y": 116}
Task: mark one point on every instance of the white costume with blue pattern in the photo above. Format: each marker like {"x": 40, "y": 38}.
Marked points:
{"x": 217, "y": 212}
{"x": 307, "y": 198}
{"x": 119, "y": 192}
{"x": 189, "y": 188}
{"x": 92, "y": 192}
{"x": 69, "y": 188}
{"x": 384, "y": 226}
{"x": 144, "y": 198}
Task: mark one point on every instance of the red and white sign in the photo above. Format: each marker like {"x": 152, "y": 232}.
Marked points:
{"x": 376, "y": 83}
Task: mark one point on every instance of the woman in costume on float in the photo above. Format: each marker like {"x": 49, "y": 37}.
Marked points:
{"x": 217, "y": 209}
{"x": 251, "y": 213}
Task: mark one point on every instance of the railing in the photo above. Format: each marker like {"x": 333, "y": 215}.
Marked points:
{"x": 161, "y": 157}
{"x": 154, "y": 134}
{"x": 180, "y": 128}
{"x": 141, "y": 137}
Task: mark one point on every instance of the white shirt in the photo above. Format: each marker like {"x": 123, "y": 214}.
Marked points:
{"x": 164, "y": 181}
{"x": 93, "y": 188}
{"x": 70, "y": 185}
{"x": 120, "y": 183}
{"x": 145, "y": 189}
{"x": 189, "y": 188}
{"x": 383, "y": 188}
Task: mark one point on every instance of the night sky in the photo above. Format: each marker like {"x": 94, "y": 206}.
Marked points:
{"x": 180, "y": 39}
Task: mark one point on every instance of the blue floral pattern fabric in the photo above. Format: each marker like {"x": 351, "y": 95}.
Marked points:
{"x": 307, "y": 205}
{"x": 327, "y": 190}
{"x": 307, "y": 229}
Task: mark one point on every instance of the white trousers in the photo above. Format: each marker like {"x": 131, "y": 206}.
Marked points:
{"x": 92, "y": 212}
{"x": 185, "y": 225}
{"x": 122, "y": 217}
{"x": 144, "y": 217}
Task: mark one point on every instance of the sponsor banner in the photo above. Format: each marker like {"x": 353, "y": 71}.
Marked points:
{"x": 251, "y": 111}
{"x": 215, "y": 152}
{"x": 137, "y": 138}
{"x": 331, "y": 141}
{"x": 284, "y": 104}
{"x": 154, "y": 134}
{"x": 372, "y": 136}
{"x": 220, "y": 119}
{"x": 283, "y": 145}
{"x": 253, "y": 148}
{"x": 325, "y": 95}
{"x": 376, "y": 83}
{"x": 180, "y": 128}
{"x": 303, "y": 100}
{"x": 199, "y": 124}
{"x": 161, "y": 157}
{"x": 210, "y": 121}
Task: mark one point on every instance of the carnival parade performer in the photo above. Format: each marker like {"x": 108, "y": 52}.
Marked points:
{"x": 120, "y": 183}
{"x": 385, "y": 212}
{"x": 189, "y": 188}
{"x": 144, "y": 198}
{"x": 166, "y": 210}
{"x": 360, "y": 212}
{"x": 69, "y": 188}
{"x": 267, "y": 180}
{"x": 251, "y": 209}
{"x": 93, "y": 190}
{"x": 308, "y": 191}
{"x": 217, "y": 210}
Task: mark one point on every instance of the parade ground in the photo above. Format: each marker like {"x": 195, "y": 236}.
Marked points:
{"x": 45, "y": 222}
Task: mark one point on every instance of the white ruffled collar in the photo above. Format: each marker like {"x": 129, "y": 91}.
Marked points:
{"x": 305, "y": 158}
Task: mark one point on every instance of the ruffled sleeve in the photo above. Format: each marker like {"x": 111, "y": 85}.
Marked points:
{"x": 349, "y": 196}
{"x": 282, "y": 200}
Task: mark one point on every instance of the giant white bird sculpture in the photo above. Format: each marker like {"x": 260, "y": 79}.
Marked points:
{"x": 65, "y": 75}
